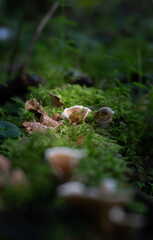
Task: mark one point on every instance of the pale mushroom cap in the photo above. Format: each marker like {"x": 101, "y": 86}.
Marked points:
{"x": 104, "y": 115}
{"x": 107, "y": 110}
{"x": 50, "y": 153}
{"x": 108, "y": 185}
{"x": 131, "y": 220}
{"x": 68, "y": 111}
{"x": 63, "y": 160}
{"x": 71, "y": 189}
{"x": 77, "y": 192}
{"x": 117, "y": 214}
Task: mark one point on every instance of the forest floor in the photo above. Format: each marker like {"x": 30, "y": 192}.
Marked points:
{"x": 76, "y": 130}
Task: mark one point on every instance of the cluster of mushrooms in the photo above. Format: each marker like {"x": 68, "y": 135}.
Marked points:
{"x": 75, "y": 114}
{"x": 14, "y": 177}
{"x": 104, "y": 204}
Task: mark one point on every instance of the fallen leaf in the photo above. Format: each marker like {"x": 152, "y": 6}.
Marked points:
{"x": 48, "y": 121}
{"x": 56, "y": 100}
{"x": 45, "y": 120}
{"x": 34, "y": 126}
{"x": 37, "y": 126}
{"x": 33, "y": 106}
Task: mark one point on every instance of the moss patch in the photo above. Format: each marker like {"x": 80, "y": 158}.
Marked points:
{"x": 104, "y": 146}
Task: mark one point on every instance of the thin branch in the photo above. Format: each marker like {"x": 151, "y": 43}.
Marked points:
{"x": 38, "y": 31}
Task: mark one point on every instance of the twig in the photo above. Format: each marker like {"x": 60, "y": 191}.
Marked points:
{"x": 38, "y": 31}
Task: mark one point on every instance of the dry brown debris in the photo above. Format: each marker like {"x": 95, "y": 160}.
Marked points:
{"x": 56, "y": 100}
{"x": 33, "y": 126}
{"x": 45, "y": 121}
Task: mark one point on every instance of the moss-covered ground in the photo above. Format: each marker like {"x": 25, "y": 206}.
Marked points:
{"x": 114, "y": 59}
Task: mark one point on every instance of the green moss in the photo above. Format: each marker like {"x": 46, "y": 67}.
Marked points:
{"x": 102, "y": 145}
{"x": 127, "y": 122}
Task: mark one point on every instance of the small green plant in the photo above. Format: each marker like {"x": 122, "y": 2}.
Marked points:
{"x": 9, "y": 130}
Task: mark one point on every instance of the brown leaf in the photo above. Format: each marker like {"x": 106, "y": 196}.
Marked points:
{"x": 34, "y": 126}
{"x": 45, "y": 120}
{"x": 37, "y": 126}
{"x": 48, "y": 121}
{"x": 33, "y": 106}
{"x": 56, "y": 100}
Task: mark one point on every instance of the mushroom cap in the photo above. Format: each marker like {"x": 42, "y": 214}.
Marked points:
{"x": 63, "y": 160}
{"x": 77, "y": 109}
{"x": 106, "y": 110}
{"x": 50, "y": 153}
{"x": 120, "y": 218}
{"x": 71, "y": 188}
{"x": 108, "y": 185}
{"x": 94, "y": 195}
{"x": 104, "y": 115}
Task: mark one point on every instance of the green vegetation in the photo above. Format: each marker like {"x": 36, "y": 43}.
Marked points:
{"x": 111, "y": 44}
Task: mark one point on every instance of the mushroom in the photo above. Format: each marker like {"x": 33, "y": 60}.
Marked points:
{"x": 69, "y": 188}
{"x": 125, "y": 223}
{"x": 108, "y": 185}
{"x": 104, "y": 116}
{"x": 76, "y": 114}
{"x": 93, "y": 201}
{"x": 5, "y": 165}
{"x": 18, "y": 177}
{"x": 63, "y": 160}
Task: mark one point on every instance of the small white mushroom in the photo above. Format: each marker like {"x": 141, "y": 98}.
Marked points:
{"x": 127, "y": 221}
{"x": 93, "y": 202}
{"x": 63, "y": 160}
{"x": 108, "y": 185}
{"x": 71, "y": 188}
{"x": 104, "y": 116}
{"x": 76, "y": 113}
